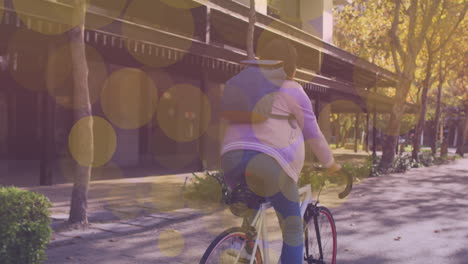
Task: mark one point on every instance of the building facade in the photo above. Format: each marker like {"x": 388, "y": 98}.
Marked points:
{"x": 185, "y": 52}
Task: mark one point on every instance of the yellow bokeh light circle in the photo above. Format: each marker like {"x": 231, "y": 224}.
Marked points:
{"x": 63, "y": 14}
{"x": 59, "y": 75}
{"x": 53, "y": 11}
{"x": 129, "y": 98}
{"x": 184, "y": 113}
{"x": 113, "y": 10}
{"x": 27, "y": 67}
{"x": 257, "y": 184}
{"x": 161, "y": 16}
{"x": 103, "y": 138}
{"x": 171, "y": 243}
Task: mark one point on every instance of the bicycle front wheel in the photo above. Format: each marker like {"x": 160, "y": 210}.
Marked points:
{"x": 231, "y": 247}
{"x": 327, "y": 236}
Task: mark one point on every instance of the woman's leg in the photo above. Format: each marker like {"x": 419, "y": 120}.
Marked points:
{"x": 233, "y": 165}
{"x": 289, "y": 216}
{"x": 266, "y": 178}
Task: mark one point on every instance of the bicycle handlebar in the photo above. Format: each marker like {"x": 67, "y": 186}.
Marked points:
{"x": 349, "y": 182}
{"x": 349, "y": 186}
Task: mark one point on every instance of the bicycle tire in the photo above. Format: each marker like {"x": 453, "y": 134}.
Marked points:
{"x": 328, "y": 237}
{"x": 215, "y": 253}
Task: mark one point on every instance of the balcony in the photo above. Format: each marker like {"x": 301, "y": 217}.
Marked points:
{"x": 219, "y": 33}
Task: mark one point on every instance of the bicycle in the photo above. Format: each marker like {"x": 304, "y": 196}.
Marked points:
{"x": 239, "y": 244}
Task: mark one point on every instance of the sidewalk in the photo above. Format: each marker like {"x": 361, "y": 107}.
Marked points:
{"x": 121, "y": 206}
{"x": 133, "y": 220}
{"x": 418, "y": 216}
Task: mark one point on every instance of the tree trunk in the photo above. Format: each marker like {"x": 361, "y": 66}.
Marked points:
{"x": 464, "y": 134}
{"x": 422, "y": 114}
{"x": 251, "y": 31}
{"x": 393, "y": 129}
{"x": 82, "y": 108}
{"x": 437, "y": 115}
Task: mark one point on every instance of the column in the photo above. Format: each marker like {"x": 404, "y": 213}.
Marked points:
{"x": 324, "y": 121}
{"x": 356, "y": 132}
{"x": 48, "y": 132}
{"x": 317, "y": 18}
{"x": 48, "y": 128}
{"x": 374, "y": 133}
{"x": 366, "y": 138}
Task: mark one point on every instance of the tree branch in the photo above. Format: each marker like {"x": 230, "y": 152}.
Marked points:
{"x": 412, "y": 13}
{"x": 395, "y": 41}
{"x": 460, "y": 19}
{"x": 436, "y": 30}
{"x": 427, "y": 19}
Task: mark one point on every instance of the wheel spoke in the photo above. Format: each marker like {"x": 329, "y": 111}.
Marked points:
{"x": 327, "y": 235}
{"x": 229, "y": 247}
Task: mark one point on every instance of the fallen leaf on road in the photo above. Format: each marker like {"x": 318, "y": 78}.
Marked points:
{"x": 397, "y": 238}
{"x": 113, "y": 240}
{"x": 70, "y": 257}
{"x": 436, "y": 231}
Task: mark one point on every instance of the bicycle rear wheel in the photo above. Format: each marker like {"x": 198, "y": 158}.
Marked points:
{"x": 327, "y": 231}
{"x": 227, "y": 247}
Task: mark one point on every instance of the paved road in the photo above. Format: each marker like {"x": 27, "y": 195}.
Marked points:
{"x": 412, "y": 218}
{"x": 417, "y": 217}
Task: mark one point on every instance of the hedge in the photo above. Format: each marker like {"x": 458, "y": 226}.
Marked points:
{"x": 24, "y": 226}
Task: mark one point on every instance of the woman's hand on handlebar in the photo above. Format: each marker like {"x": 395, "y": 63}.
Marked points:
{"x": 333, "y": 169}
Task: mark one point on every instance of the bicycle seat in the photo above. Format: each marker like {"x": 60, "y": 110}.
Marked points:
{"x": 244, "y": 202}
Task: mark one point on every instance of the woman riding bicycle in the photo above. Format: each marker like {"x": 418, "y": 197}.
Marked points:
{"x": 268, "y": 156}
